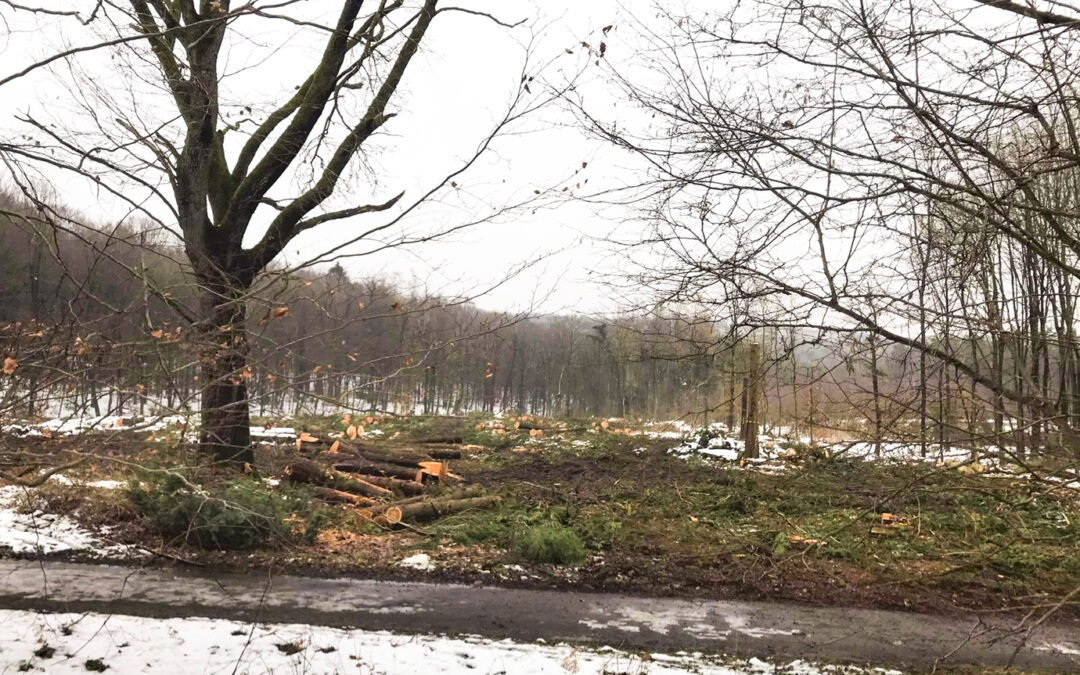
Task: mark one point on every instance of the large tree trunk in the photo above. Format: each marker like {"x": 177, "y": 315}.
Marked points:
{"x": 226, "y": 427}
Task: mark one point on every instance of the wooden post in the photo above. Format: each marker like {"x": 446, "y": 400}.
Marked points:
{"x": 750, "y": 428}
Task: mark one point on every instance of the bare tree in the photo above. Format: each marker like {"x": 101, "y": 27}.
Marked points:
{"x": 790, "y": 144}
{"x": 209, "y": 168}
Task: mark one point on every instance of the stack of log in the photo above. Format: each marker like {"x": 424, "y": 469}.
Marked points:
{"x": 388, "y": 487}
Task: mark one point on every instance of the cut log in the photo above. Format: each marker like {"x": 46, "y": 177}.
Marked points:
{"x": 392, "y": 514}
{"x": 442, "y": 440}
{"x": 358, "y": 485}
{"x": 437, "y": 469}
{"x": 337, "y": 443}
{"x": 400, "y": 459}
{"x": 315, "y": 446}
{"x": 407, "y": 487}
{"x": 363, "y": 466}
{"x": 445, "y": 453}
{"x": 381, "y": 508}
{"x": 332, "y": 496}
{"x": 455, "y": 495}
{"x": 436, "y": 508}
{"x": 307, "y": 471}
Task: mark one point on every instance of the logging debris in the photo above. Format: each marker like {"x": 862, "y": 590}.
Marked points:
{"x": 388, "y": 488}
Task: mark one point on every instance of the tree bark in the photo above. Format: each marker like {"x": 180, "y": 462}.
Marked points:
{"x": 226, "y": 426}
{"x": 750, "y": 428}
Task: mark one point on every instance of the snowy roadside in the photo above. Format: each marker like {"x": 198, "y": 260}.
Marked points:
{"x": 76, "y": 643}
{"x": 41, "y": 533}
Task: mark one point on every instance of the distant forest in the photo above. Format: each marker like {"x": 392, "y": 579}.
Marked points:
{"x": 108, "y": 310}
{"x": 109, "y": 306}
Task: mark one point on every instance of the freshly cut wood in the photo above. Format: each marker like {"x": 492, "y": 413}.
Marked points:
{"x": 381, "y": 508}
{"x": 407, "y": 487}
{"x": 363, "y": 466}
{"x": 317, "y": 445}
{"x": 437, "y": 469}
{"x": 431, "y": 509}
{"x": 392, "y": 514}
{"x": 332, "y": 496}
{"x": 307, "y": 471}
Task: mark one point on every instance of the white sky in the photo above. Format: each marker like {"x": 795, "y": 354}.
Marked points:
{"x": 456, "y": 88}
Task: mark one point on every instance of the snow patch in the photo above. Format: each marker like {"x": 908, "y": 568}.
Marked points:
{"x": 420, "y": 561}
{"x": 128, "y": 644}
{"x": 44, "y": 533}
{"x": 1068, "y": 648}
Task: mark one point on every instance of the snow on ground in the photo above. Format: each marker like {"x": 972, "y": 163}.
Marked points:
{"x": 264, "y": 433}
{"x": 69, "y": 425}
{"x": 669, "y": 429}
{"x": 65, "y": 425}
{"x": 420, "y": 561}
{"x": 44, "y": 533}
{"x": 102, "y": 484}
{"x": 991, "y": 460}
{"x": 126, "y": 644}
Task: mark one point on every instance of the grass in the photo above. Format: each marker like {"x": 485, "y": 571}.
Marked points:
{"x": 552, "y": 544}
{"x": 881, "y": 533}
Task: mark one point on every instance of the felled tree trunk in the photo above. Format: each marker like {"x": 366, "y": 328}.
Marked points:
{"x": 436, "y": 508}
{"x": 442, "y": 440}
{"x": 407, "y": 487}
{"x": 362, "y": 466}
{"x": 444, "y": 453}
{"x": 332, "y": 496}
{"x": 306, "y": 471}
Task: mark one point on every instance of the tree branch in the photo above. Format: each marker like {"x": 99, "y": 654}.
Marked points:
{"x": 1042, "y": 16}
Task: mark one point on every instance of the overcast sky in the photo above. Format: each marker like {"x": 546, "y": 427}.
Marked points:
{"x": 458, "y": 86}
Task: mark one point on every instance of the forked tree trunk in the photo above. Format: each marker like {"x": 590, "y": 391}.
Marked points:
{"x": 226, "y": 427}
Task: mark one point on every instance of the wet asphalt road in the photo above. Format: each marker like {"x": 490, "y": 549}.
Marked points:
{"x": 743, "y": 629}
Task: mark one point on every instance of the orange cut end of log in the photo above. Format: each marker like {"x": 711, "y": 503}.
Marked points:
{"x": 392, "y": 515}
